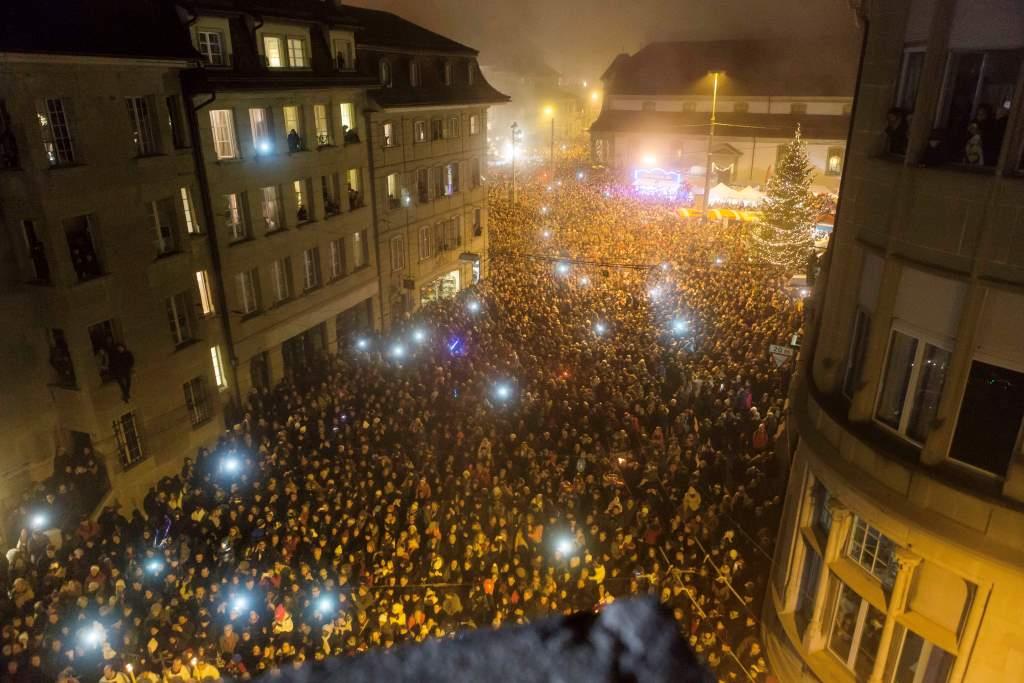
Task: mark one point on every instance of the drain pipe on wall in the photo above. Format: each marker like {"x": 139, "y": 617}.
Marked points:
{"x": 373, "y": 214}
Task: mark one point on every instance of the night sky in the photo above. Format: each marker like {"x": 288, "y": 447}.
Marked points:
{"x": 580, "y": 37}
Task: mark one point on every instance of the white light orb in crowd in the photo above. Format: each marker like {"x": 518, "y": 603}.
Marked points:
{"x": 362, "y": 343}
{"x": 93, "y": 635}
{"x": 503, "y": 391}
{"x": 565, "y": 545}
{"x": 473, "y": 306}
{"x": 398, "y": 351}
{"x": 546, "y": 234}
{"x": 419, "y": 335}
{"x": 38, "y": 521}
{"x": 600, "y": 328}
{"x": 232, "y": 464}
{"x": 154, "y": 566}
{"x": 326, "y": 603}
{"x": 550, "y": 188}
{"x": 544, "y": 210}
{"x": 680, "y": 326}
{"x": 719, "y": 260}
{"x": 562, "y": 268}
{"x": 804, "y": 292}
{"x": 665, "y": 265}
{"x": 654, "y": 292}
{"x": 264, "y": 147}
{"x": 240, "y": 603}
{"x": 580, "y": 175}
{"x": 584, "y": 280}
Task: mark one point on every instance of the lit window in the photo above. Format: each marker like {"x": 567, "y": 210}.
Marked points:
{"x": 394, "y": 197}
{"x": 188, "y": 211}
{"x": 273, "y": 51}
{"x": 855, "y": 632}
{"x": 234, "y": 216}
{"x": 451, "y": 179}
{"x": 293, "y": 119}
{"x": 915, "y": 373}
{"x": 297, "y": 53}
{"x": 360, "y": 255}
{"x": 389, "y": 134}
{"x": 225, "y": 144}
{"x": 436, "y": 129}
{"x": 323, "y": 124}
{"x": 447, "y": 73}
{"x": 414, "y": 74}
{"x": 873, "y": 551}
{"x": 220, "y": 378}
{"x": 259, "y": 121}
{"x": 810, "y": 574}
{"x": 420, "y": 131}
{"x": 141, "y": 126}
{"x": 205, "y": 290}
{"x": 271, "y": 208}
{"x": 337, "y": 258}
{"x": 385, "y": 73}
{"x": 919, "y": 660}
{"x": 834, "y": 161}
{"x": 474, "y": 173}
{"x": 300, "y": 188}
{"x": 348, "y": 119}
{"x": 474, "y": 124}
{"x": 344, "y": 59}
{"x": 452, "y": 127}
{"x": 425, "y": 243}
{"x": 211, "y": 47}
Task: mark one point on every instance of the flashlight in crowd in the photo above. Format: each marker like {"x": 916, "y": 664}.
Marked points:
{"x": 397, "y": 351}
{"x": 546, "y": 234}
{"x": 562, "y": 268}
{"x": 154, "y": 566}
{"x": 194, "y": 660}
{"x": 665, "y": 266}
{"x": 502, "y": 391}
{"x": 559, "y": 183}
{"x": 264, "y": 147}
{"x": 325, "y": 604}
{"x": 239, "y": 603}
{"x": 550, "y": 188}
{"x": 231, "y": 464}
{"x": 93, "y": 635}
{"x": 564, "y": 545}
{"x": 584, "y": 280}
{"x": 473, "y": 306}
{"x": 579, "y": 176}
{"x": 607, "y": 193}
{"x": 38, "y": 521}
{"x": 419, "y": 335}
{"x": 679, "y": 326}
{"x": 543, "y": 209}
{"x": 804, "y": 292}
{"x": 362, "y": 343}
{"x": 129, "y": 668}
{"x": 719, "y": 260}
{"x": 600, "y": 328}
{"x": 654, "y": 292}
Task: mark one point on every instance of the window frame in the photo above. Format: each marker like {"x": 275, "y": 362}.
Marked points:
{"x": 261, "y": 129}
{"x": 129, "y": 450}
{"x": 221, "y": 45}
{"x": 225, "y": 148}
{"x": 204, "y": 287}
{"x": 282, "y": 50}
{"x": 235, "y": 217}
{"x": 923, "y": 340}
{"x": 188, "y": 211}
{"x": 360, "y": 253}
{"x": 388, "y": 134}
{"x": 312, "y": 277}
{"x": 324, "y": 136}
{"x": 420, "y": 133}
{"x": 179, "y": 310}
{"x": 247, "y": 282}
{"x": 271, "y": 209}
{"x": 883, "y": 571}
{"x": 168, "y": 244}
{"x": 143, "y": 128}
{"x": 289, "y": 41}
{"x": 220, "y": 378}
{"x": 385, "y": 73}
{"x": 197, "y": 401}
{"x": 57, "y": 133}
{"x": 900, "y": 92}
{"x": 338, "y": 259}
{"x": 415, "y": 74}
{"x": 396, "y": 247}
{"x": 474, "y": 124}
{"x": 425, "y": 242}
{"x": 447, "y": 74}
{"x": 838, "y": 152}
{"x": 857, "y": 637}
{"x": 281, "y": 278}
{"x": 857, "y": 352}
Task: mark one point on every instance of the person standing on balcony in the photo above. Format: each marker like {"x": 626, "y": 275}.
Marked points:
{"x": 121, "y": 363}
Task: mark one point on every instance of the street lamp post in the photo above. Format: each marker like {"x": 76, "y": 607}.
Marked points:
{"x": 711, "y": 142}
{"x": 550, "y": 111}
{"x": 515, "y": 139}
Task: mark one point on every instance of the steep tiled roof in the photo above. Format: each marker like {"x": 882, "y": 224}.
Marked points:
{"x": 752, "y": 67}
{"x": 812, "y": 126}
{"x": 110, "y": 28}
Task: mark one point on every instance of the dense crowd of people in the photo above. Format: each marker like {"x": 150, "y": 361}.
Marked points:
{"x": 596, "y": 419}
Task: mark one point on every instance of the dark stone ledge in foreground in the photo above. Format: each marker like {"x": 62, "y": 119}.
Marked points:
{"x": 630, "y": 641}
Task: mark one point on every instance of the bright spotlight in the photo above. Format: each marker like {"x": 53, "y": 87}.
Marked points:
{"x": 679, "y": 326}
{"x": 562, "y": 268}
{"x": 654, "y": 292}
{"x": 559, "y": 183}
{"x": 154, "y": 566}
{"x": 665, "y": 266}
{"x": 565, "y": 545}
{"x": 546, "y": 234}
{"x": 584, "y": 280}
{"x": 419, "y": 335}
{"x": 804, "y": 292}
{"x": 38, "y": 521}
{"x": 93, "y": 635}
{"x": 362, "y": 343}
{"x": 650, "y": 160}
{"x": 398, "y": 351}
{"x": 719, "y": 260}
{"x": 580, "y": 175}
{"x": 600, "y": 328}
{"x": 325, "y": 604}
{"x": 503, "y": 391}
{"x": 550, "y": 188}
{"x": 231, "y": 464}
{"x": 473, "y": 306}
{"x": 264, "y": 147}
{"x": 240, "y": 603}
{"x": 544, "y": 209}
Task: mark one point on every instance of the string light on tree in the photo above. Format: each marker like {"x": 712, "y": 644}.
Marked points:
{"x": 784, "y": 237}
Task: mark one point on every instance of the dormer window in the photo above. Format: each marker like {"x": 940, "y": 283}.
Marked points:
{"x": 385, "y": 73}
{"x": 344, "y": 51}
{"x": 283, "y": 52}
{"x": 471, "y": 73}
{"x": 447, "y": 73}
{"x": 414, "y": 74}
{"x": 211, "y": 47}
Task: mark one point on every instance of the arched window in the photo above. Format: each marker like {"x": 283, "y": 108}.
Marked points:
{"x": 385, "y": 73}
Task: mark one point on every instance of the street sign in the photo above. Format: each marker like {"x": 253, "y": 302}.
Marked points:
{"x": 780, "y": 354}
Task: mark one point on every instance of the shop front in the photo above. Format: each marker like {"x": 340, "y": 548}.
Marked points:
{"x": 444, "y": 287}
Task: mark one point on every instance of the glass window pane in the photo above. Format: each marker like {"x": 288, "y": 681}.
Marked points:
{"x": 989, "y": 425}
{"x": 897, "y": 376}
{"x": 867, "y": 648}
{"x": 922, "y": 662}
{"x": 808, "y": 587}
{"x": 844, "y": 624}
{"x": 929, "y": 390}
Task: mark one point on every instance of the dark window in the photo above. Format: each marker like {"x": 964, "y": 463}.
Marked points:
{"x": 129, "y": 446}
{"x": 436, "y": 129}
{"x": 196, "y": 401}
{"x": 858, "y": 349}
{"x": 910, "y": 78}
{"x": 174, "y": 120}
{"x": 976, "y": 104}
{"x": 741, "y": 107}
{"x": 798, "y": 108}
{"x": 60, "y": 360}
{"x": 809, "y": 576}
{"x": 990, "y": 418}
{"x": 36, "y": 253}
{"x": 81, "y": 241}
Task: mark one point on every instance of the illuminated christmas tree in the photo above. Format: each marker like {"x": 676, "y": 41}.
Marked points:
{"x": 784, "y": 236}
